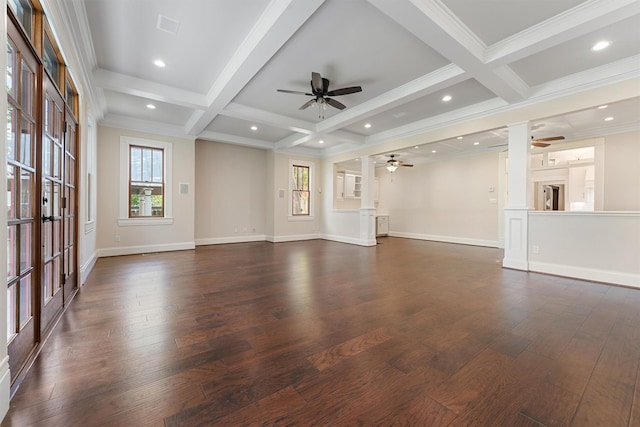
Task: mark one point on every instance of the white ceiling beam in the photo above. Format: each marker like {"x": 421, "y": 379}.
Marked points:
{"x": 280, "y": 20}
{"x": 123, "y": 83}
{"x": 429, "y": 83}
{"x": 434, "y": 24}
{"x": 342, "y": 137}
{"x": 236, "y": 140}
{"x": 575, "y": 22}
{"x": 254, "y": 115}
{"x": 143, "y": 125}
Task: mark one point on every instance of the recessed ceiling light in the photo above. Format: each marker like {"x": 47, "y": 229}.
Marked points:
{"x": 151, "y": 106}
{"x": 608, "y": 119}
{"x": 159, "y": 63}
{"x": 476, "y": 143}
{"x": 446, "y": 98}
{"x": 433, "y": 151}
{"x": 416, "y": 147}
{"x": 600, "y": 45}
{"x": 367, "y": 125}
{"x": 602, "y": 107}
{"x": 321, "y": 142}
{"x": 459, "y": 137}
{"x": 254, "y": 128}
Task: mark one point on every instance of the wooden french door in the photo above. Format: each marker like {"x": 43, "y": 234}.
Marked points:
{"x": 69, "y": 206}
{"x": 52, "y": 205}
{"x": 22, "y": 223}
{"x": 41, "y": 193}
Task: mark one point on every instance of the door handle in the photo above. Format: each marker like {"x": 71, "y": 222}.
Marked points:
{"x": 47, "y": 218}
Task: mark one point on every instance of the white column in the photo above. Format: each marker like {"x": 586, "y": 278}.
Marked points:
{"x": 367, "y": 207}
{"x": 517, "y": 208}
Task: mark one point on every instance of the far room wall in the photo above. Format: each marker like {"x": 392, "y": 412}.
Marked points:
{"x": 454, "y": 199}
{"x": 230, "y": 198}
{"x": 115, "y": 239}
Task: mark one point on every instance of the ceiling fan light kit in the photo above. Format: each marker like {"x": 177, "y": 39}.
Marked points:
{"x": 321, "y": 93}
{"x": 393, "y": 164}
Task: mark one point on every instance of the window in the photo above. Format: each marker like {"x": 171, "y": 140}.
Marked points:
{"x": 145, "y": 182}
{"x": 301, "y": 190}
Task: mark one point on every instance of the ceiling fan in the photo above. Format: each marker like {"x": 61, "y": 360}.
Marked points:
{"x": 544, "y": 142}
{"x": 321, "y": 93}
{"x": 393, "y": 164}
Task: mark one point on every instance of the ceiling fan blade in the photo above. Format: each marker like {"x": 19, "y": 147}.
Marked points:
{"x": 552, "y": 138}
{"x": 540, "y": 144}
{"x": 405, "y": 165}
{"x": 307, "y": 104}
{"x": 316, "y": 82}
{"x": 336, "y": 104}
{"x": 345, "y": 91}
{"x": 297, "y": 92}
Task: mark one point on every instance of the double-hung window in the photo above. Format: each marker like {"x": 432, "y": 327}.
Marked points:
{"x": 300, "y": 190}
{"x": 301, "y": 185}
{"x": 146, "y": 185}
{"x": 145, "y": 182}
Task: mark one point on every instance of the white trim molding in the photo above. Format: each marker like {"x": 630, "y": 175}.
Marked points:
{"x": 137, "y": 250}
{"x": 87, "y": 268}
{"x": 446, "y": 239}
{"x": 230, "y": 239}
{"x": 605, "y": 276}
{"x": 293, "y": 238}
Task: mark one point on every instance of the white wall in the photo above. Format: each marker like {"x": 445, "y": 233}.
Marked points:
{"x": 446, "y": 200}
{"x": 602, "y": 246}
{"x": 143, "y": 238}
{"x": 230, "y": 198}
{"x": 622, "y": 172}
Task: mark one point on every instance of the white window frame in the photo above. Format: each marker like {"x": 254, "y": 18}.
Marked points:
{"x": 312, "y": 201}
{"x": 125, "y": 146}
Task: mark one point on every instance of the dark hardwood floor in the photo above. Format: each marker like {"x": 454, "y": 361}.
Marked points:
{"x": 321, "y": 333}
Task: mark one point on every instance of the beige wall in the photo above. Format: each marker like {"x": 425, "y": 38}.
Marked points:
{"x": 444, "y": 200}
{"x": 622, "y": 172}
{"x": 230, "y": 196}
{"x": 285, "y": 228}
{"x": 140, "y": 239}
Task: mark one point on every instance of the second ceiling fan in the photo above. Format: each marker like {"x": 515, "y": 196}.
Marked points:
{"x": 321, "y": 93}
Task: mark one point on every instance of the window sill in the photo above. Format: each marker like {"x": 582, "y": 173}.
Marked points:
{"x": 126, "y": 222}
{"x": 301, "y": 218}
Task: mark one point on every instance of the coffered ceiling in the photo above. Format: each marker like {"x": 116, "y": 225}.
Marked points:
{"x": 226, "y": 58}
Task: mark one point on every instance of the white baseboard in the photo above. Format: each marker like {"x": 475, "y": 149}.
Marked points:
{"x": 134, "y": 250}
{"x": 293, "y": 238}
{"x": 516, "y": 264}
{"x": 87, "y": 267}
{"x": 5, "y": 387}
{"x": 605, "y": 276}
{"x": 231, "y": 239}
{"x": 349, "y": 240}
{"x": 447, "y": 239}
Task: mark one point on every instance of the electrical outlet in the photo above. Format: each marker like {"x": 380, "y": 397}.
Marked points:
{"x": 253, "y": 230}
{"x": 536, "y": 249}
{"x": 235, "y": 230}
{"x": 117, "y": 237}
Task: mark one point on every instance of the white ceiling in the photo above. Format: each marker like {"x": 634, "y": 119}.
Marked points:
{"x": 228, "y": 57}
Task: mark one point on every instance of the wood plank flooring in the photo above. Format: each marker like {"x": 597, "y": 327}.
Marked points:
{"x": 321, "y": 333}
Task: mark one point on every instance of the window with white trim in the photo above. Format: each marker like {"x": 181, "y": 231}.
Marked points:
{"x": 145, "y": 182}
{"x": 300, "y": 190}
